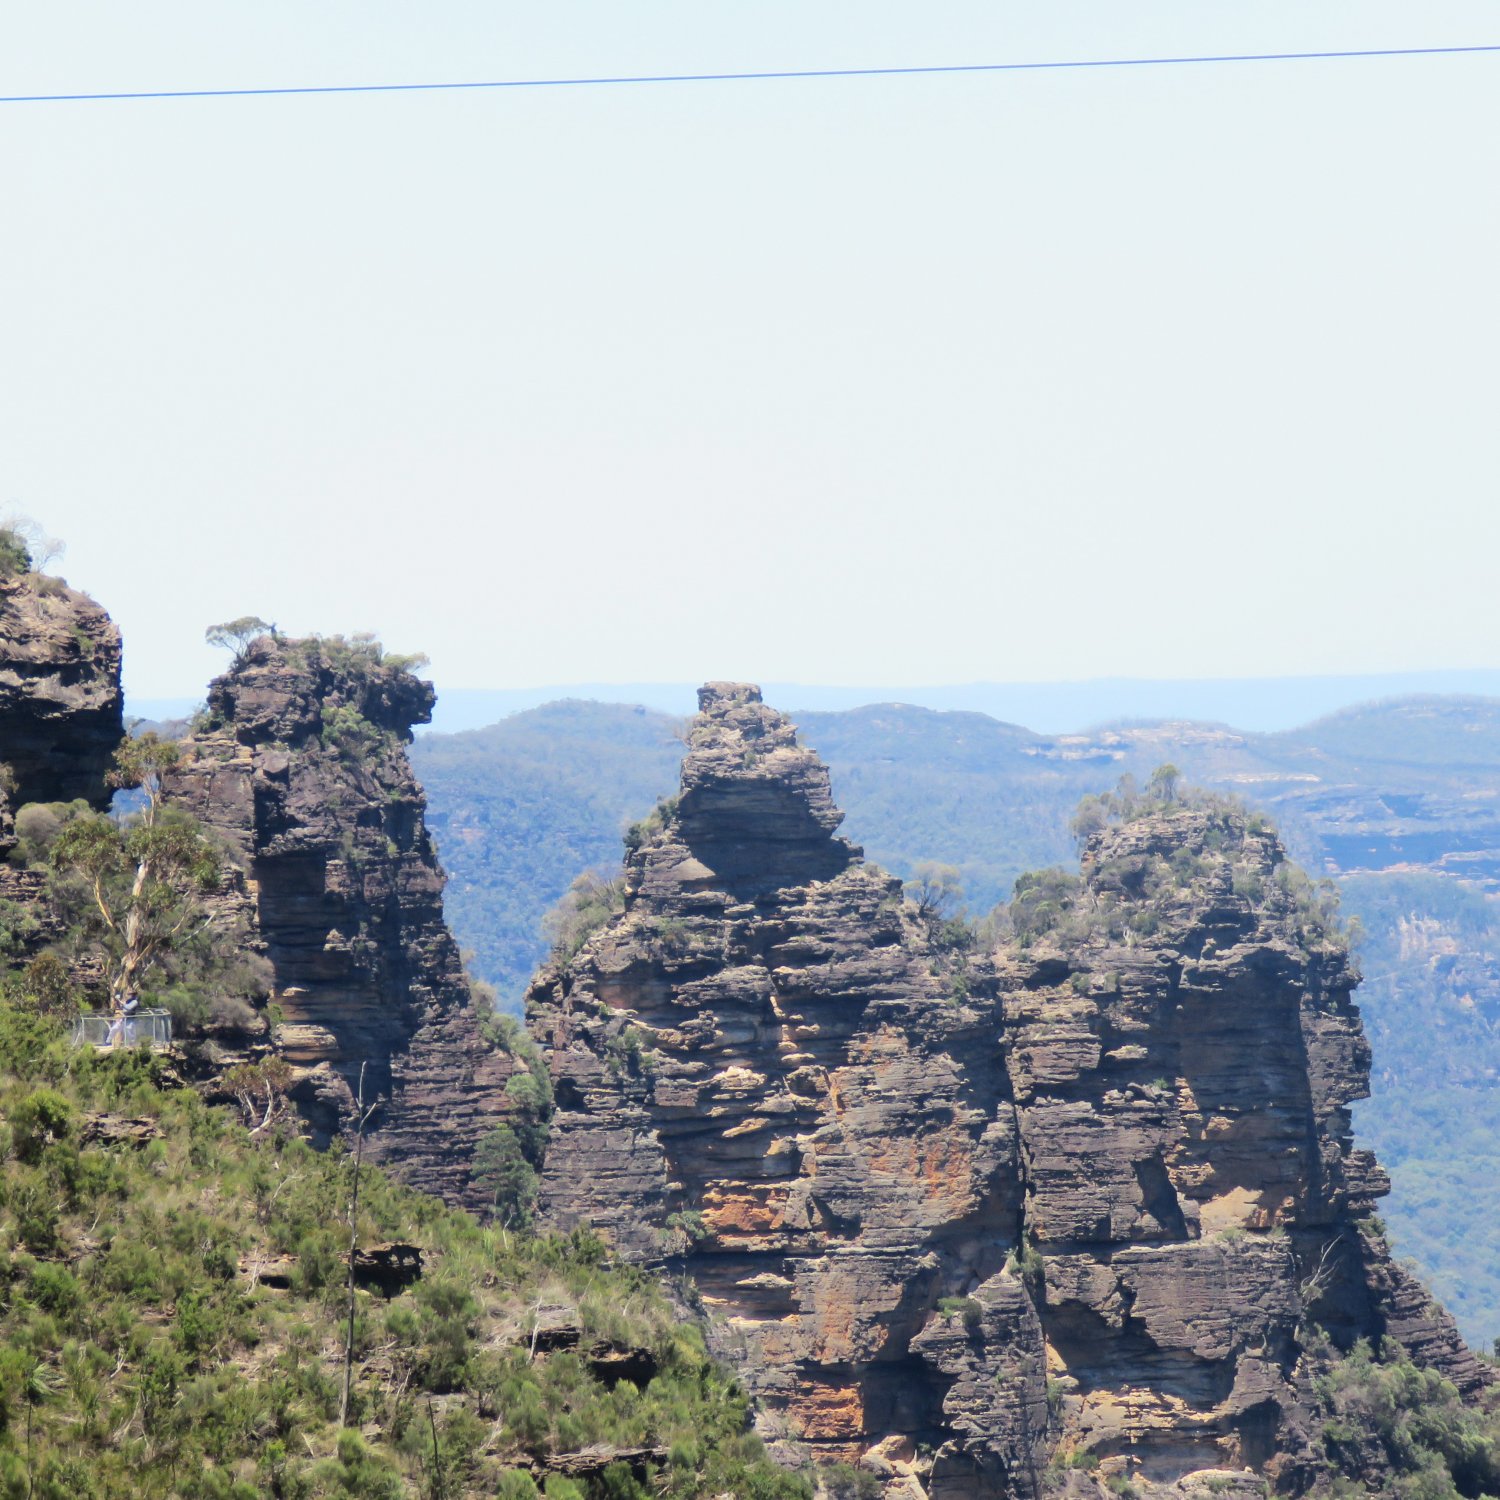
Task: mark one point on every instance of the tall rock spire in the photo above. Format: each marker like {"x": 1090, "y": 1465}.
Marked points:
{"x": 771, "y": 1072}
{"x": 755, "y": 807}
{"x": 301, "y": 765}
{"x": 960, "y": 1215}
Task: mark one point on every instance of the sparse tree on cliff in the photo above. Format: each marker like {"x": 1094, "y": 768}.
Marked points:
{"x": 140, "y": 881}
{"x": 261, "y": 1089}
{"x": 935, "y": 890}
{"x": 1164, "y": 783}
{"x": 236, "y": 635}
{"x": 15, "y": 555}
{"x": 140, "y": 764}
{"x": 25, "y": 547}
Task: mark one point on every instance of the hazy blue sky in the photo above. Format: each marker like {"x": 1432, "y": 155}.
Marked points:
{"x": 1155, "y": 372}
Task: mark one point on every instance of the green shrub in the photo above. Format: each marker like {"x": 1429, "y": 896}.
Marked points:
{"x": 1042, "y": 900}
{"x": 318, "y": 1265}
{"x": 971, "y": 1311}
{"x": 15, "y": 555}
{"x": 590, "y": 902}
{"x": 36, "y": 1120}
{"x": 845, "y": 1482}
{"x": 1434, "y": 1444}
{"x": 55, "y": 1288}
{"x": 506, "y": 1176}
{"x": 651, "y": 825}
{"x": 516, "y": 1484}
{"x": 347, "y": 731}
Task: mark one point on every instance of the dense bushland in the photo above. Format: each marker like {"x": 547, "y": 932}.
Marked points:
{"x": 1397, "y": 1430}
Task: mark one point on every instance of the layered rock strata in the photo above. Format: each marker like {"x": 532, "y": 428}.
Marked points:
{"x": 961, "y": 1217}
{"x": 1183, "y": 1051}
{"x": 61, "y": 710}
{"x": 300, "y": 765}
{"x": 763, "y": 1067}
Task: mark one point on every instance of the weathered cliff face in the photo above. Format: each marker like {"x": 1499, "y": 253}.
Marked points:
{"x": 767, "y": 1066}
{"x": 60, "y": 702}
{"x": 302, "y": 768}
{"x": 1183, "y": 1051}
{"x": 963, "y": 1216}
{"x": 760, "y": 1052}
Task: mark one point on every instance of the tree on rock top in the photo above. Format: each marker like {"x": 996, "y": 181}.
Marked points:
{"x": 236, "y": 635}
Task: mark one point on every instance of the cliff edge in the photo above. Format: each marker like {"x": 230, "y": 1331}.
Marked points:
{"x": 61, "y": 709}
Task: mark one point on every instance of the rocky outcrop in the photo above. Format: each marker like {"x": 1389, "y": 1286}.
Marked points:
{"x": 766, "y": 1068}
{"x": 61, "y": 713}
{"x": 1183, "y": 1052}
{"x": 301, "y": 766}
{"x": 964, "y": 1217}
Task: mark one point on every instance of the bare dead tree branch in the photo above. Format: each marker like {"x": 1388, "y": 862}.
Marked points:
{"x": 362, "y": 1118}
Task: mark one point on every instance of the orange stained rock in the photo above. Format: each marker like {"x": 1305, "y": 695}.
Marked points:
{"x": 828, "y": 1411}
{"x": 736, "y": 1208}
{"x": 835, "y": 1094}
{"x": 887, "y": 1044}
{"x": 938, "y": 1163}
{"x": 780, "y": 1341}
{"x": 844, "y": 1323}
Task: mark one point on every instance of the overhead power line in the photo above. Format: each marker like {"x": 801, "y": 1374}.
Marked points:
{"x": 748, "y": 77}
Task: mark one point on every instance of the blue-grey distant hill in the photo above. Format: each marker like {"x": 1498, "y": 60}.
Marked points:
{"x": 1264, "y": 704}
{"x": 1261, "y": 704}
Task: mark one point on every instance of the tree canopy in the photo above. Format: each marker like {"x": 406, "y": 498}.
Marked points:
{"x": 141, "y": 878}
{"x": 236, "y": 635}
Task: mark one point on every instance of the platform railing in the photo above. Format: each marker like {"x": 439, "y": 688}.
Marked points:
{"x": 142, "y": 1028}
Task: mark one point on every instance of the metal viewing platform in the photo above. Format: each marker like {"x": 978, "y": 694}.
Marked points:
{"x": 143, "y": 1028}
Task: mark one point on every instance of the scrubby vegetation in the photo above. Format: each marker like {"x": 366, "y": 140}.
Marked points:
{"x": 360, "y": 655}
{"x": 123, "y": 904}
{"x": 348, "y": 731}
{"x": 651, "y": 825}
{"x": 1222, "y": 848}
{"x": 25, "y": 547}
{"x": 508, "y": 1161}
{"x": 171, "y": 1318}
{"x": 15, "y": 556}
{"x": 590, "y": 901}
{"x": 1405, "y": 1432}
{"x": 175, "y": 1279}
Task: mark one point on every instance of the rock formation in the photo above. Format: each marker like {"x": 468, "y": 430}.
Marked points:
{"x": 301, "y": 766}
{"x": 964, "y": 1219}
{"x": 61, "y": 719}
{"x": 60, "y": 703}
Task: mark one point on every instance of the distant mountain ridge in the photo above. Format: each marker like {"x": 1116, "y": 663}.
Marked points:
{"x": 1260, "y": 704}
{"x": 1410, "y": 783}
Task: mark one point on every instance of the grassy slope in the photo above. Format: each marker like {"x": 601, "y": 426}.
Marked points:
{"x": 139, "y": 1359}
